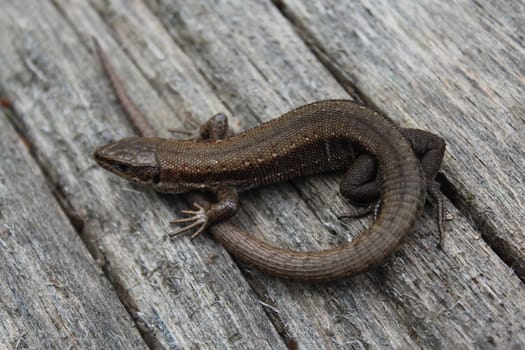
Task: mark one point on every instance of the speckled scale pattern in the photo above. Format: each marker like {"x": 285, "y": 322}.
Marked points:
{"x": 314, "y": 138}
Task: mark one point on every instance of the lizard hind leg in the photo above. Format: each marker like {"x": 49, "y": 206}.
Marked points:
{"x": 360, "y": 187}
{"x": 434, "y": 192}
{"x": 430, "y": 149}
{"x": 372, "y": 208}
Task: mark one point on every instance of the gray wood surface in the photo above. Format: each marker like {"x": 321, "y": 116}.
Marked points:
{"x": 53, "y": 294}
{"x": 183, "y": 61}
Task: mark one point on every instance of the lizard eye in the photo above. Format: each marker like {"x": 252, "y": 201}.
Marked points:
{"x": 120, "y": 168}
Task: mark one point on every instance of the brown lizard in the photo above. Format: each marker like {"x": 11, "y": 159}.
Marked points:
{"x": 396, "y": 166}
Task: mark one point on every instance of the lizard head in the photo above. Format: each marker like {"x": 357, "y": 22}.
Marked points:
{"x": 132, "y": 158}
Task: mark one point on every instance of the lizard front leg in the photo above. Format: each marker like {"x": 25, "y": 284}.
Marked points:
{"x": 216, "y": 128}
{"x": 202, "y": 218}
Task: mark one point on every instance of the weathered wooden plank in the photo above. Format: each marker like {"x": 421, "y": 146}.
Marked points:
{"x": 215, "y": 38}
{"x": 250, "y": 60}
{"x": 258, "y": 67}
{"x": 301, "y": 309}
{"x": 53, "y": 294}
{"x": 181, "y": 295}
{"x": 458, "y": 69}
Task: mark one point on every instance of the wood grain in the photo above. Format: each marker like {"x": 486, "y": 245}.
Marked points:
{"x": 180, "y": 294}
{"x": 185, "y": 60}
{"x": 52, "y": 294}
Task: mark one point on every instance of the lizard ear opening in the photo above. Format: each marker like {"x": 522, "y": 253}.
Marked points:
{"x": 156, "y": 178}
{"x": 147, "y": 175}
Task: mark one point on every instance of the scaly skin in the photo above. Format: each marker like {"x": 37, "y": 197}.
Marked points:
{"x": 318, "y": 137}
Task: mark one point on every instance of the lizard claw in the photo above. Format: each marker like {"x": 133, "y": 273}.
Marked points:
{"x": 372, "y": 208}
{"x": 197, "y": 218}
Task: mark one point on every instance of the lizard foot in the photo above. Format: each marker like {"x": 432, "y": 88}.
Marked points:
{"x": 437, "y": 196}
{"x": 198, "y": 218}
{"x": 372, "y": 208}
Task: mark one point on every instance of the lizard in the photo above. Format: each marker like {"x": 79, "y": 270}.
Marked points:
{"x": 384, "y": 163}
